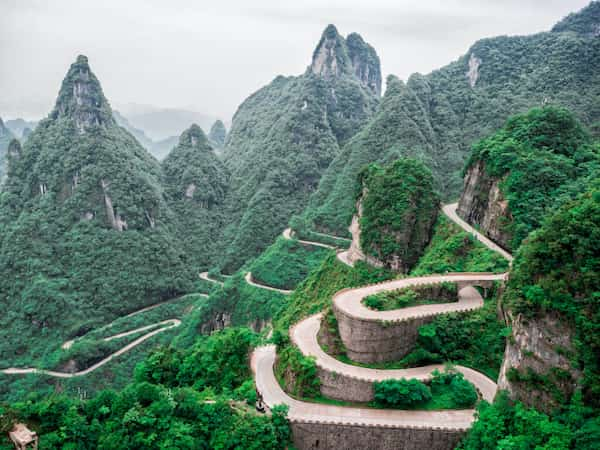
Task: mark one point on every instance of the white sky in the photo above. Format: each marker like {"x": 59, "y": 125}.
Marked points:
{"x": 209, "y": 56}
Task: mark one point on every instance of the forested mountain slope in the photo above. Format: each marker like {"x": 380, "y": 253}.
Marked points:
{"x": 86, "y": 234}
{"x": 284, "y": 136}
{"x": 196, "y": 183}
{"x": 436, "y": 117}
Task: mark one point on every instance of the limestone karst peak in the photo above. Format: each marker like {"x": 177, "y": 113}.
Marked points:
{"x": 193, "y": 136}
{"x": 335, "y": 56}
{"x": 81, "y": 98}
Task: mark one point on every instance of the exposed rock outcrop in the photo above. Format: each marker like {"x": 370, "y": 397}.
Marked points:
{"x": 473, "y": 72}
{"x": 483, "y": 204}
{"x": 335, "y": 56}
{"x": 538, "y": 360}
{"x": 354, "y": 252}
{"x": 81, "y": 98}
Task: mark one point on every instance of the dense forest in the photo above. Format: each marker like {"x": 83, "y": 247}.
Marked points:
{"x": 101, "y": 245}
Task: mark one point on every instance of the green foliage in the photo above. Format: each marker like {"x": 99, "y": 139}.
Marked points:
{"x": 196, "y": 183}
{"x": 461, "y": 393}
{"x": 399, "y": 208}
{"x": 437, "y": 117}
{"x": 453, "y": 250}
{"x": 504, "y": 425}
{"x": 5, "y": 138}
{"x": 286, "y": 263}
{"x": 474, "y": 339}
{"x": 401, "y": 393}
{"x": 543, "y": 158}
{"x": 217, "y": 133}
{"x": 297, "y": 373}
{"x": 160, "y": 410}
{"x": 557, "y": 269}
{"x": 404, "y": 298}
{"x": 315, "y": 292}
{"x": 583, "y": 22}
{"x": 78, "y": 177}
{"x": 282, "y": 139}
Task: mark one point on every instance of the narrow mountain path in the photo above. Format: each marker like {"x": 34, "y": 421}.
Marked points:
{"x": 251, "y": 282}
{"x": 349, "y": 301}
{"x": 204, "y": 276}
{"x": 287, "y": 234}
{"x": 166, "y": 325}
{"x": 163, "y": 326}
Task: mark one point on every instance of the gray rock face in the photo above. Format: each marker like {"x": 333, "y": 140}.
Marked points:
{"x": 355, "y": 252}
{"x": 335, "y": 56}
{"x": 483, "y": 204}
{"x": 81, "y": 98}
{"x": 473, "y": 72}
{"x": 545, "y": 346}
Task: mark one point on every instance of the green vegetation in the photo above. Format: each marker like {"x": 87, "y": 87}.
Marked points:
{"x": 437, "y": 117}
{"x": 180, "y": 399}
{"x": 315, "y": 292}
{"x": 404, "y": 298}
{"x": 507, "y": 425}
{"x": 401, "y": 393}
{"x": 282, "y": 139}
{"x": 85, "y": 234}
{"x": 543, "y": 157}
{"x": 217, "y": 133}
{"x": 296, "y": 373}
{"x": 399, "y": 208}
{"x": 196, "y": 183}
{"x": 286, "y": 263}
{"x": 453, "y": 250}
{"x": 446, "y": 390}
{"x": 557, "y": 270}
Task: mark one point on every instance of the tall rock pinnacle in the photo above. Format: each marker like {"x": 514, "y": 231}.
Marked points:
{"x": 81, "y": 98}
{"x": 335, "y": 56}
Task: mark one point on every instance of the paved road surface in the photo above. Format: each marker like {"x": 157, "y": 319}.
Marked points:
{"x": 251, "y": 282}
{"x": 304, "y": 336}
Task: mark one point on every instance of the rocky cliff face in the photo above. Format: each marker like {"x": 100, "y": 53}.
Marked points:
{"x": 537, "y": 368}
{"x": 335, "y": 56}
{"x": 483, "y": 204}
{"x": 355, "y": 253}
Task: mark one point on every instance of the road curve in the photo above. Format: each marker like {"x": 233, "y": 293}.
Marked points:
{"x": 263, "y": 359}
{"x": 204, "y": 276}
{"x": 304, "y": 336}
{"x": 287, "y": 234}
{"x": 170, "y": 323}
{"x": 251, "y": 282}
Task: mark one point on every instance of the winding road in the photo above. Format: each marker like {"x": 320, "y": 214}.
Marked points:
{"x": 304, "y": 336}
{"x": 163, "y": 326}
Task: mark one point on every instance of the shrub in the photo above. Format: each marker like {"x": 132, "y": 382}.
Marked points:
{"x": 401, "y": 393}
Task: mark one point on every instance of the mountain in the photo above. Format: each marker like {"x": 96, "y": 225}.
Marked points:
{"x": 19, "y": 126}
{"x": 161, "y": 148}
{"x": 196, "y": 183}
{"x": 284, "y": 136}
{"x": 218, "y": 133}
{"x": 5, "y": 137}
{"x": 537, "y": 161}
{"x": 437, "y": 117}
{"x": 86, "y": 233}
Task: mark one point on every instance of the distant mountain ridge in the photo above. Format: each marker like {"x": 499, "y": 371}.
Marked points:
{"x": 284, "y": 136}
{"x": 437, "y": 117}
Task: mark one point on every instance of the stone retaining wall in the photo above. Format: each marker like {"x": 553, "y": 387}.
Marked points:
{"x": 342, "y": 437}
{"x": 344, "y": 387}
{"x": 369, "y": 341}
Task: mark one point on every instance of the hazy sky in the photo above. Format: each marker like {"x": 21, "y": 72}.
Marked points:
{"x": 210, "y": 55}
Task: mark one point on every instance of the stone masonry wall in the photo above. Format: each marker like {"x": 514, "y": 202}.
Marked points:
{"x": 345, "y": 437}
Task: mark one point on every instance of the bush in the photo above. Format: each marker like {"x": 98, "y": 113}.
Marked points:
{"x": 462, "y": 392}
{"x": 401, "y": 393}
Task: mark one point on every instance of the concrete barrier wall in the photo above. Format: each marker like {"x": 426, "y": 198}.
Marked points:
{"x": 341, "y": 437}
